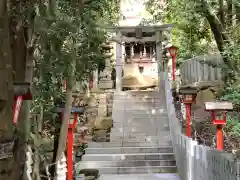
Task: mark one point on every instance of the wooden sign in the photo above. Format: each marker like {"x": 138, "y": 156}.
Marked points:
{"x": 6, "y": 149}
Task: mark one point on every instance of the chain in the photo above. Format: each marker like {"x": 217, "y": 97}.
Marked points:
{"x": 226, "y": 137}
{"x": 198, "y": 135}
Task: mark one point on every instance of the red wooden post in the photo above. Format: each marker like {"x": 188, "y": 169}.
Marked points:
{"x": 71, "y": 127}
{"x": 21, "y": 91}
{"x": 76, "y": 111}
{"x": 173, "y": 53}
{"x": 219, "y": 134}
{"x": 70, "y": 154}
{"x": 17, "y": 107}
{"x": 173, "y": 67}
{"x": 188, "y": 119}
{"x": 65, "y": 85}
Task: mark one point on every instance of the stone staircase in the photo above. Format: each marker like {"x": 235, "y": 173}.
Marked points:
{"x": 140, "y": 140}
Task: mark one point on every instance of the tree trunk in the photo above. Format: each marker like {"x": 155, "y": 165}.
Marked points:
{"x": 22, "y": 52}
{"x": 237, "y": 10}
{"x": 56, "y": 142}
{"x": 221, "y": 12}
{"x": 229, "y": 12}
{"x": 6, "y": 91}
{"x": 67, "y": 112}
{"x": 220, "y": 37}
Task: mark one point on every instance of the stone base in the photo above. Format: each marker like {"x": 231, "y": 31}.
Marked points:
{"x": 105, "y": 84}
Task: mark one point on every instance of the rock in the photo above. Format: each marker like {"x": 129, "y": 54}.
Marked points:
{"x": 101, "y": 133}
{"x": 90, "y": 173}
{"x": 216, "y": 89}
{"x": 90, "y": 124}
{"x": 103, "y": 123}
{"x": 204, "y": 96}
{"x": 99, "y": 139}
{"x": 101, "y": 136}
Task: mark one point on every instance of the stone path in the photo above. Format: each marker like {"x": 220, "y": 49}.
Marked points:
{"x": 140, "y": 145}
{"x": 140, "y": 177}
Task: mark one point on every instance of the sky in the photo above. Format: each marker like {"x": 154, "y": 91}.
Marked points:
{"x": 132, "y": 8}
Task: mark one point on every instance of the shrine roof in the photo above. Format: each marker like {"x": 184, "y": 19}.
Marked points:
{"x": 150, "y": 28}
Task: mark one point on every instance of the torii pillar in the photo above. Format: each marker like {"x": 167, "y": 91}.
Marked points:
{"x": 159, "y": 51}
{"x": 119, "y": 62}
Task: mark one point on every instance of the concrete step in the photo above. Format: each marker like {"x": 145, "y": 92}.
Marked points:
{"x": 117, "y": 150}
{"x": 137, "y": 170}
{"x": 139, "y": 163}
{"x": 127, "y": 157}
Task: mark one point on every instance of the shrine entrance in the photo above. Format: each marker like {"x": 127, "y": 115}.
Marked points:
{"x": 139, "y": 52}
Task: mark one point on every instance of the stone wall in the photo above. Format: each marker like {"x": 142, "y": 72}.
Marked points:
{"x": 198, "y": 70}
{"x": 98, "y": 118}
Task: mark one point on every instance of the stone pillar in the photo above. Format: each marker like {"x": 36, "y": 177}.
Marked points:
{"x": 159, "y": 54}
{"x": 119, "y": 64}
{"x": 150, "y": 52}
{"x": 95, "y": 79}
{"x": 132, "y": 51}
{"x": 144, "y": 51}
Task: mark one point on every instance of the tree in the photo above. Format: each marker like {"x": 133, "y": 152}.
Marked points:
{"x": 42, "y": 43}
{"x": 199, "y": 28}
{"x": 6, "y": 92}
{"x": 207, "y": 27}
{"x": 69, "y": 48}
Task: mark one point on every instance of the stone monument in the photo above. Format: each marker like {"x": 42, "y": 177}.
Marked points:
{"x": 105, "y": 81}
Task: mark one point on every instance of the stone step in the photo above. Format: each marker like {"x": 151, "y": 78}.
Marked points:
{"x": 126, "y": 157}
{"x": 160, "y": 123}
{"x": 140, "y": 120}
{"x": 139, "y": 163}
{"x": 128, "y": 144}
{"x": 140, "y": 125}
{"x": 140, "y": 138}
{"x": 140, "y": 116}
{"x": 138, "y": 170}
{"x": 162, "y": 142}
{"x": 134, "y": 134}
{"x": 157, "y": 115}
{"x": 140, "y": 129}
{"x": 135, "y": 123}
{"x": 117, "y": 150}
{"x": 143, "y": 116}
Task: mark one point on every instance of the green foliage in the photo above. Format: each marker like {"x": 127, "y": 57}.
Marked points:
{"x": 232, "y": 94}
{"x": 68, "y": 32}
{"x": 194, "y": 36}
{"x": 191, "y": 32}
{"x": 233, "y": 124}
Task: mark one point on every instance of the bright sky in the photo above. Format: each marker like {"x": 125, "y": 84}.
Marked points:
{"x": 132, "y": 8}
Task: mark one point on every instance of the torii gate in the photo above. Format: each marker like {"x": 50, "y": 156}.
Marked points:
{"x": 138, "y": 35}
